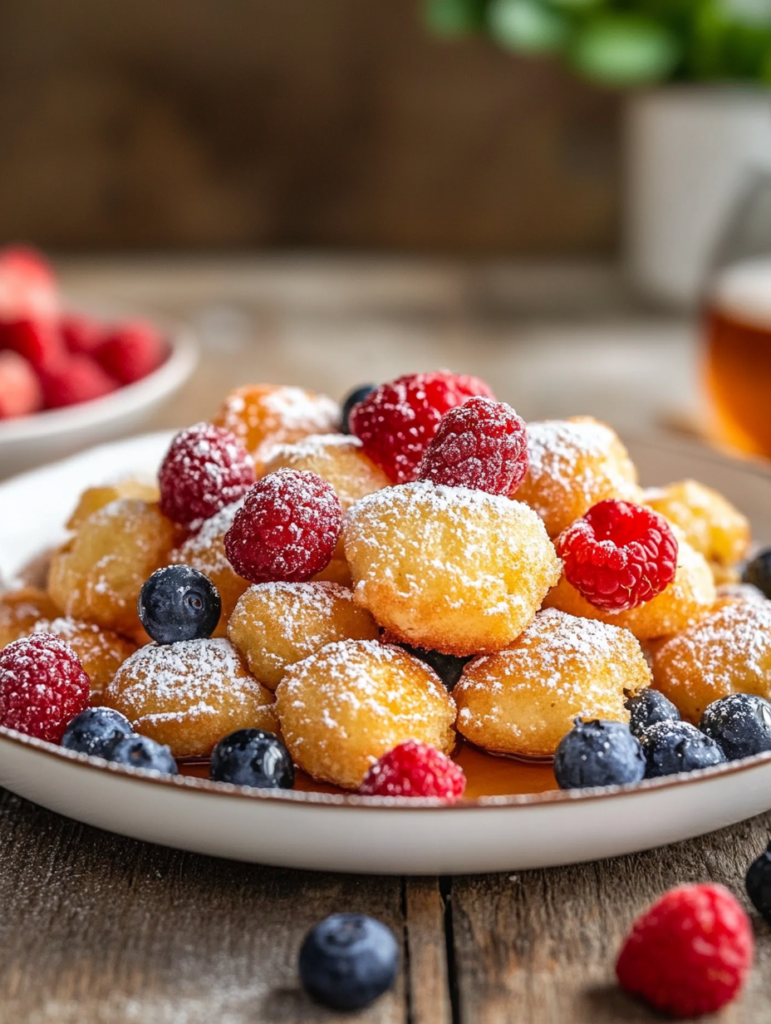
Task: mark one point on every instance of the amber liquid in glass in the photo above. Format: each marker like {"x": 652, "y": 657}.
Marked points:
{"x": 738, "y": 332}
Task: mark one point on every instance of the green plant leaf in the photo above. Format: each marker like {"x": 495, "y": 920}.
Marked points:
{"x": 453, "y": 17}
{"x": 625, "y": 50}
{"x": 527, "y": 26}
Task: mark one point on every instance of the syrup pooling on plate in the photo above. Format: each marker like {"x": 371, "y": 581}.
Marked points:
{"x": 446, "y": 569}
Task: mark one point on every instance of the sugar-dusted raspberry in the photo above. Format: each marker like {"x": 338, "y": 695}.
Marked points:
{"x": 480, "y": 444}
{"x": 689, "y": 953}
{"x": 20, "y": 392}
{"x": 76, "y": 379}
{"x": 205, "y": 469}
{"x": 42, "y": 686}
{"x": 414, "y": 769}
{"x": 397, "y": 421}
{"x": 286, "y": 529}
{"x": 130, "y": 351}
{"x": 36, "y": 338}
{"x": 619, "y": 555}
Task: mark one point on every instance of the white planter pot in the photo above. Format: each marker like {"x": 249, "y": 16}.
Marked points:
{"x": 690, "y": 151}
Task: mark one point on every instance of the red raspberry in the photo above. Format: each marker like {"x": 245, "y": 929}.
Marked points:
{"x": 131, "y": 351}
{"x": 82, "y": 335}
{"x": 397, "y": 421}
{"x": 78, "y": 379}
{"x": 414, "y": 769}
{"x": 27, "y": 285}
{"x": 286, "y": 529}
{"x": 689, "y": 953}
{"x": 20, "y": 392}
{"x": 42, "y": 686}
{"x": 205, "y": 469}
{"x": 37, "y": 339}
{"x": 481, "y": 444}
{"x": 619, "y": 555}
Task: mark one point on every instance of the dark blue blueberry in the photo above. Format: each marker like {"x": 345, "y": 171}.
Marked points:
{"x": 179, "y": 603}
{"x": 647, "y": 708}
{"x": 252, "y": 757}
{"x": 740, "y": 724}
{"x": 598, "y": 753}
{"x": 672, "y": 747}
{"x": 95, "y": 731}
{"x": 353, "y": 398}
{"x": 448, "y": 667}
{"x": 141, "y": 752}
{"x": 758, "y": 572}
{"x": 758, "y": 883}
{"x": 348, "y": 960}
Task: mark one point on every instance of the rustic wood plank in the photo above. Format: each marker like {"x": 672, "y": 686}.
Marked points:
{"x": 96, "y": 928}
{"x": 540, "y": 946}
{"x": 429, "y": 994}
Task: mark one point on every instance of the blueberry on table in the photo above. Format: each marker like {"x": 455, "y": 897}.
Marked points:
{"x": 179, "y": 603}
{"x": 348, "y": 960}
{"x": 353, "y": 398}
{"x": 647, "y": 708}
{"x": 739, "y": 723}
{"x": 758, "y": 883}
{"x": 142, "y": 752}
{"x": 449, "y": 667}
{"x": 598, "y": 753}
{"x": 95, "y": 731}
{"x": 758, "y": 572}
{"x": 252, "y": 757}
{"x": 672, "y": 747}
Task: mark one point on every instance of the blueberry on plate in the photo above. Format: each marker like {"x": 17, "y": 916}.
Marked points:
{"x": 348, "y": 960}
{"x": 739, "y": 723}
{"x": 353, "y": 398}
{"x": 672, "y": 747}
{"x": 448, "y": 667}
{"x": 598, "y": 753}
{"x": 758, "y": 572}
{"x": 252, "y": 757}
{"x": 758, "y": 883}
{"x": 95, "y": 731}
{"x": 179, "y": 603}
{"x": 647, "y": 708}
{"x": 142, "y": 752}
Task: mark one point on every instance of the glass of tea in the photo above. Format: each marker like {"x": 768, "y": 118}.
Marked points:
{"x": 737, "y": 323}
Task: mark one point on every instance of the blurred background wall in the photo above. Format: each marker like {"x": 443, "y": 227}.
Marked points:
{"x": 209, "y": 124}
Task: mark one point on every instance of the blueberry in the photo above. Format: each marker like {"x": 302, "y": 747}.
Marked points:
{"x": 672, "y": 747}
{"x": 252, "y": 757}
{"x": 740, "y": 724}
{"x": 141, "y": 752}
{"x": 353, "y": 398}
{"x": 95, "y": 731}
{"x": 758, "y": 572}
{"x": 598, "y": 753}
{"x": 647, "y": 708}
{"x": 758, "y": 883}
{"x": 348, "y": 960}
{"x": 448, "y": 667}
{"x": 179, "y": 603}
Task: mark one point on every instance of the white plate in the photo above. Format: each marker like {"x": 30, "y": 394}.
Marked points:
{"x": 348, "y": 833}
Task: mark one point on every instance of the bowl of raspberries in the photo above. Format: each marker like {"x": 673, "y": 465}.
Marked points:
{"x": 68, "y": 377}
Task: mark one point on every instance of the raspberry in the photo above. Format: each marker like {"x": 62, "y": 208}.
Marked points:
{"x": 42, "y": 686}
{"x": 397, "y": 421}
{"x": 131, "y": 351}
{"x": 81, "y": 334}
{"x": 286, "y": 529}
{"x": 78, "y": 379}
{"x": 27, "y": 285}
{"x": 414, "y": 769}
{"x": 20, "y": 392}
{"x": 38, "y": 340}
{"x": 205, "y": 469}
{"x": 481, "y": 444}
{"x": 619, "y": 555}
{"x": 689, "y": 953}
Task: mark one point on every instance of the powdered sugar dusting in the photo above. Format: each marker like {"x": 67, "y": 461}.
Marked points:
{"x": 299, "y": 409}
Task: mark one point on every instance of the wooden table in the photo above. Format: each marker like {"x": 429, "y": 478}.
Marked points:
{"x": 102, "y": 930}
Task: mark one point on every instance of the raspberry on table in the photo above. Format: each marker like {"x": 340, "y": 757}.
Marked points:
{"x": 689, "y": 953}
{"x": 74, "y": 380}
{"x": 287, "y": 528}
{"x": 481, "y": 444}
{"x": 20, "y": 391}
{"x": 205, "y": 469}
{"x": 131, "y": 350}
{"x": 36, "y": 338}
{"x": 397, "y": 420}
{"x": 619, "y": 555}
{"x": 414, "y": 769}
{"x": 42, "y": 686}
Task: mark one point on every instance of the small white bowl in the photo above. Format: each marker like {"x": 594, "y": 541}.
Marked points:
{"x": 31, "y": 441}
